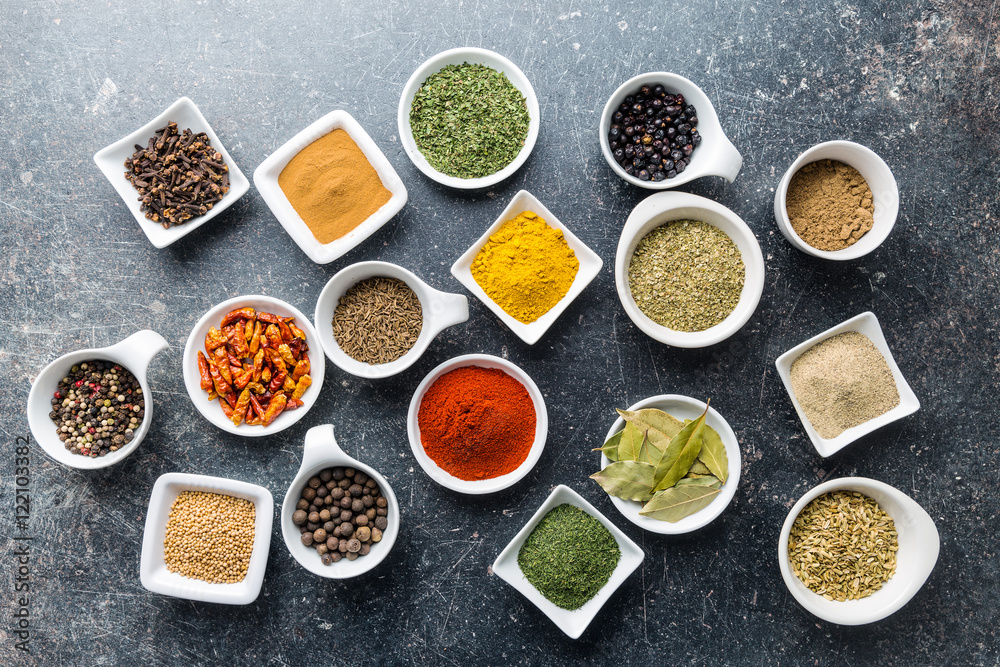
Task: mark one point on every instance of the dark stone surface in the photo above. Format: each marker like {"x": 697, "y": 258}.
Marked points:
{"x": 916, "y": 80}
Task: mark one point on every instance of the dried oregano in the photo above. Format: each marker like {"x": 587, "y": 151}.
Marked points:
{"x": 569, "y": 556}
{"x": 469, "y": 121}
{"x": 686, "y": 275}
{"x": 843, "y": 546}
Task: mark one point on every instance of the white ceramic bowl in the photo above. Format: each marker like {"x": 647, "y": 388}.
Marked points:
{"x": 196, "y": 341}
{"x": 111, "y": 161}
{"x": 683, "y": 407}
{"x": 716, "y": 156}
{"x": 134, "y": 353}
{"x": 265, "y": 177}
{"x": 867, "y": 324}
{"x": 885, "y": 194}
{"x": 574, "y": 622}
{"x": 440, "y": 311}
{"x": 473, "y": 56}
{"x": 448, "y": 480}
{"x": 153, "y": 570}
{"x": 661, "y": 208}
{"x": 322, "y": 451}
{"x": 918, "y": 551}
{"x": 590, "y": 266}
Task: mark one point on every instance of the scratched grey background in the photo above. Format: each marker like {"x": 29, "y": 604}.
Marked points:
{"x": 916, "y": 80}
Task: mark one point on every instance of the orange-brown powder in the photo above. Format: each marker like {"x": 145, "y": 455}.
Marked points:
{"x": 332, "y": 186}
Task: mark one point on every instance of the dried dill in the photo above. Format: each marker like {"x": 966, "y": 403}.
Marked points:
{"x": 378, "y": 320}
{"x": 469, "y": 120}
{"x": 569, "y": 556}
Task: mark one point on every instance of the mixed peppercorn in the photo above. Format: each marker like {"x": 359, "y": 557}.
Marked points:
{"x": 341, "y": 514}
{"x": 97, "y": 408}
{"x": 653, "y": 134}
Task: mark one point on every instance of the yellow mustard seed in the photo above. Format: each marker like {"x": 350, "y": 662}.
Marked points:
{"x": 210, "y": 537}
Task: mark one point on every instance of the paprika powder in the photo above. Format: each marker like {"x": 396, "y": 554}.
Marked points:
{"x": 477, "y": 423}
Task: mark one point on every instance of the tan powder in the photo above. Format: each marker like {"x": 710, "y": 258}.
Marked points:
{"x": 332, "y": 186}
{"x": 829, "y": 205}
{"x": 842, "y": 382}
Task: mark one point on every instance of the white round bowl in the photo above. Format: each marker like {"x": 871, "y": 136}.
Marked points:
{"x": 210, "y": 410}
{"x": 919, "y": 545}
{"x": 319, "y": 452}
{"x": 683, "y": 407}
{"x": 440, "y": 311}
{"x": 885, "y": 194}
{"x": 134, "y": 353}
{"x": 448, "y": 480}
{"x": 472, "y": 56}
{"x": 716, "y": 156}
{"x": 664, "y": 207}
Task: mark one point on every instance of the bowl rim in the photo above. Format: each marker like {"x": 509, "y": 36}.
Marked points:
{"x": 868, "y": 325}
{"x": 494, "y": 484}
{"x": 110, "y": 162}
{"x": 195, "y": 341}
{"x": 726, "y": 158}
{"x": 440, "y": 311}
{"x": 265, "y": 177}
{"x": 152, "y": 569}
{"x": 318, "y": 455}
{"x": 472, "y": 55}
{"x": 664, "y": 207}
{"x": 860, "y": 612}
{"x": 875, "y": 166}
{"x": 574, "y": 622}
{"x": 630, "y": 509}
{"x": 590, "y": 267}
{"x": 43, "y": 428}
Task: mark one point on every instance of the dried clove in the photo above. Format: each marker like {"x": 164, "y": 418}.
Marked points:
{"x": 179, "y": 176}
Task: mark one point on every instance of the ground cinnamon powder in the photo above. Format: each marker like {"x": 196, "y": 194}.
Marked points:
{"x": 829, "y": 205}
{"x": 332, "y": 186}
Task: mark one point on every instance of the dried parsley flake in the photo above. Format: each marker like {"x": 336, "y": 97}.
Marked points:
{"x": 469, "y": 120}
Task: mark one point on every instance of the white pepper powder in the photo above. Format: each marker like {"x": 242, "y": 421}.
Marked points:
{"x": 842, "y": 382}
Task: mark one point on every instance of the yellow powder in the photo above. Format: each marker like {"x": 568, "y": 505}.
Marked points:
{"x": 332, "y": 186}
{"x": 526, "y": 267}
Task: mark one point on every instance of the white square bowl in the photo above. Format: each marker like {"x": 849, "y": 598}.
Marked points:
{"x": 867, "y": 324}
{"x": 153, "y": 570}
{"x": 573, "y": 623}
{"x": 265, "y": 177}
{"x": 111, "y": 161}
{"x": 590, "y": 266}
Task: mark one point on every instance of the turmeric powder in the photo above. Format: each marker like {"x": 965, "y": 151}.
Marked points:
{"x": 526, "y": 267}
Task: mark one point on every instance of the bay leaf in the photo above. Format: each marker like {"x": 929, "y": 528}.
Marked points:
{"x": 699, "y": 468}
{"x": 701, "y": 480}
{"x": 630, "y": 443}
{"x": 680, "y": 454}
{"x": 610, "y": 446}
{"x": 630, "y": 480}
{"x": 713, "y": 454}
{"x": 658, "y": 426}
{"x": 674, "y": 504}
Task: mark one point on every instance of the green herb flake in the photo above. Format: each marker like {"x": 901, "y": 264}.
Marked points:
{"x": 686, "y": 275}
{"x": 569, "y": 556}
{"x": 469, "y": 120}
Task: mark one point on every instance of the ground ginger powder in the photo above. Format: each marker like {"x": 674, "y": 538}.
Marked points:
{"x": 829, "y": 205}
{"x": 526, "y": 267}
{"x": 332, "y": 186}
{"x": 842, "y": 382}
